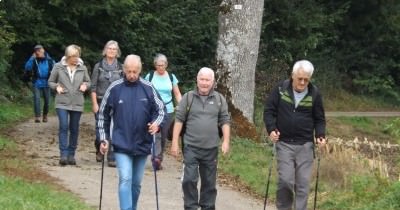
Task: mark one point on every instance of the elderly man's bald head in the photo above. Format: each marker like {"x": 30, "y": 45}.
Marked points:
{"x": 133, "y": 60}
{"x": 132, "y": 67}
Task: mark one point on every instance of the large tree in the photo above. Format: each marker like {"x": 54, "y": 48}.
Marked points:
{"x": 237, "y": 52}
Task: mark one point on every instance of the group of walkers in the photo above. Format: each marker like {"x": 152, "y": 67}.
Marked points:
{"x": 131, "y": 111}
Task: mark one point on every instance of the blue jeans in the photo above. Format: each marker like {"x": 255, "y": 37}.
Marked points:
{"x": 37, "y": 92}
{"x": 131, "y": 171}
{"x": 68, "y": 146}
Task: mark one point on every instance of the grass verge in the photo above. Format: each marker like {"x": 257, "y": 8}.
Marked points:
{"x": 22, "y": 186}
{"x": 248, "y": 163}
{"x": 346, "y": 181}
{"x": 18, "y": 194}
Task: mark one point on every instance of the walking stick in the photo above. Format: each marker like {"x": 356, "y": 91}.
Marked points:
{"x": 316, "y": 182}
{"x": 154, "y": 169}
{"x": 101, "y": 181}
{"x": 269, "y": 175}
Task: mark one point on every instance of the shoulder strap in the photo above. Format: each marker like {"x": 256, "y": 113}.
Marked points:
{"x": 169, "y": 74}
{"x": 151, "y": 76}
{"x": 188, "y": 106}
{"x": 171, "y": 78}
{"x": 120, "y": 68}
{"x": 101, "y": 63}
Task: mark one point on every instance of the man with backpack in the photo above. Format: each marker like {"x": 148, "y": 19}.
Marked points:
{"x": 38, "y": 69}
{"x": 294, "y": 115}
{"x": 200, "y": 113}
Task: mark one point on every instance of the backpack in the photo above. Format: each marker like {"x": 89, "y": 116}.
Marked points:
{"x": 32, "y": 75}
{"x": 151, "y": 75}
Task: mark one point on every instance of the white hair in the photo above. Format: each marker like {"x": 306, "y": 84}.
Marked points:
{"x": 160, "y": 57}
{"x": 206, "y": 71}
{"x": 304, "y": 65}
{"x": 108, "y": 44}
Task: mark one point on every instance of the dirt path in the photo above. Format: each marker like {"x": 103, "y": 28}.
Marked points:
{"x": 41, "y": 143}
{"x": 362, "y": 114}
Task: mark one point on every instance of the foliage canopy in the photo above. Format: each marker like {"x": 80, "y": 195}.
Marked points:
{"x": 353, "y": 43}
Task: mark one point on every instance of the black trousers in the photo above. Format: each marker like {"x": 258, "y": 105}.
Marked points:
{"x": 201, "y": 162}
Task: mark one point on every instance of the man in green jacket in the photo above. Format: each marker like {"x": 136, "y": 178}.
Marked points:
{"x": 294, "y": 115}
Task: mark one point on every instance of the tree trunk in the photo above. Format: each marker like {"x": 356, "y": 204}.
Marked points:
{"x": 237, "y": 52}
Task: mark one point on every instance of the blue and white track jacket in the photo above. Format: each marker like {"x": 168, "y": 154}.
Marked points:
{"x": 131, "y": 106}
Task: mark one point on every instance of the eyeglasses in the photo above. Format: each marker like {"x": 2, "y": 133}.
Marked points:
{"x": 112, "y": 48}
{"x": 305, "y": 80}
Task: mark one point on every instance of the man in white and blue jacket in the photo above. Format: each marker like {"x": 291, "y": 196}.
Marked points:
{"x": 137, "y": 113}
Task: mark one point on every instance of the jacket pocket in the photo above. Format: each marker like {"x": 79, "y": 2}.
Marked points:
{"x": 62, "y": 99}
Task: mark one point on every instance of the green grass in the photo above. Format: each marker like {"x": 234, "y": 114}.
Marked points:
{"x": 22, "y": 186}
{"x": 341, "y": 100}
{"x": 365, "y": 193}
{"x": 377, "y": 129}
{"x": 249, "y": 162}
{"x": 10, "y": 113}
{"x": 17, "y": 194}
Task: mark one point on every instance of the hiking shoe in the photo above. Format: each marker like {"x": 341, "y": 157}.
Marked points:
{"x": 63, "y": 161}
{"x": 99, "y": 157}
{"x": 112, "y": 163}
{"x": 71, "y": 160}
{"x": 37, "y": 119}
{"x": 44, "y": 118}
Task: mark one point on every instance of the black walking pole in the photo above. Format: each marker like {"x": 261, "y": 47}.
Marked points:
{"x": 154, "y": 168}
{"x": 316, "y": 182}
{"x": 101, "y": 181}
{"x": 269, "y": 175}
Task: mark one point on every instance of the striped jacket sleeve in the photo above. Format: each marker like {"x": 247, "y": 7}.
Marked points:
{"x": 105, "y": 112}
{"x": 158, "y": 108}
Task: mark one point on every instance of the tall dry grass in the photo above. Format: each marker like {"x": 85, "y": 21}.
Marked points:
{"x": 340, "y": 159}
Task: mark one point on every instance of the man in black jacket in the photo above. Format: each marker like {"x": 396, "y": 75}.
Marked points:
{"x": 293, "y": 116}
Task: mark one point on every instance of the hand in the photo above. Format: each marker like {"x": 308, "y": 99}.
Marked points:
{"x": 83, "y": 87}
{"x": 225, "y": 147}
{"x": 175, "y": 149}
{"x": 321, "y": 141}
{"x": 59, "y": 89}
{"x": 274, "y": 135}
{"x": 153, "y": 128}
{"x": 95, "y": 108}
{"x": 104, "y": 147}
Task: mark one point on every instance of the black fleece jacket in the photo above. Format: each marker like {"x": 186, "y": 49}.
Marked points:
{"x": 296, "y": 125}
